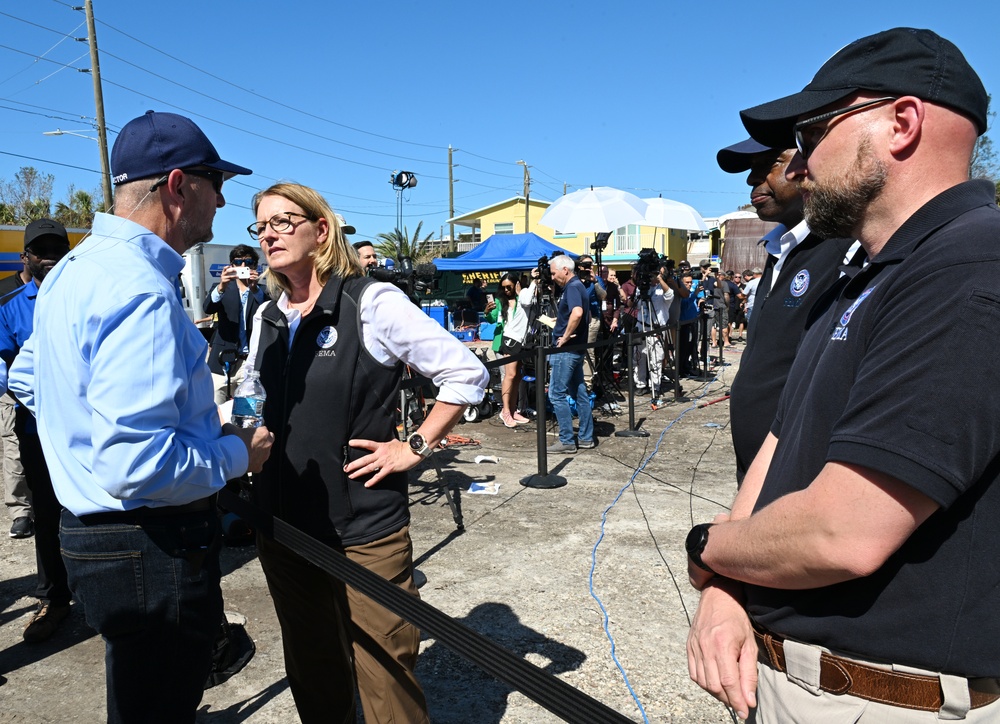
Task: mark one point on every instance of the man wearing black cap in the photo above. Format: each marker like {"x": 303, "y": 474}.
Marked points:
{"x": 119, "y": 386}
{"x": 45, "y": 243}
{"x": 863, "y": 543}
{"x": 800, "y": 267}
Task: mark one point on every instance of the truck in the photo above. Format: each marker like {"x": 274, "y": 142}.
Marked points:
{"x": 203, "y": 265}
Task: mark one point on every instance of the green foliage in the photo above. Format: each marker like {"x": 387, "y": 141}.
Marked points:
{"x": 397, "y": 244}
{"x": 77, "y": 211}
{"x": 27, "y": 197}
{"x": 984, "y": 163}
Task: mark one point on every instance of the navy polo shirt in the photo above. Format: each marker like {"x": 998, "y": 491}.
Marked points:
{"x": 883, "y": 381}
{"x": 574, "y": 295}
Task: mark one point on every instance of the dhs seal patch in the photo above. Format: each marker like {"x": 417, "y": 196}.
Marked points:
{"x": 840, "y": 331}
{"x": 327, "y": 338}
{"x": 800, "y": 283}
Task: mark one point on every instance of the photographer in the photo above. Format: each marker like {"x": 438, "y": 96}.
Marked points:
{"x": 234, "y": 299}
{"x": 596, "y": 294}
{"x": 511, "y": 317}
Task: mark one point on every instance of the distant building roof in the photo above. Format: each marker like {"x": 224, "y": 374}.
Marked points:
{"x": 471, "y": 219}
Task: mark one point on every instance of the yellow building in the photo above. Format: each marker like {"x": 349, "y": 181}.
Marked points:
{"x": 508, "y": 217}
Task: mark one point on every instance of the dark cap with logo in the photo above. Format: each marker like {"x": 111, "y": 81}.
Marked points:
{"x": 156, "y": 143}
{"x": 739, "y": 157}
{"x": 898, "y": 62}
{"x": 45, "y": 230}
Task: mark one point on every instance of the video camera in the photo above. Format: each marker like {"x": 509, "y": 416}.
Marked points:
{"x": 648, "y": 267}
{"x": 415, "y": 281}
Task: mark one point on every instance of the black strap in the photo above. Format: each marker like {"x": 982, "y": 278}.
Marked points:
{"x": 554, "y": 694}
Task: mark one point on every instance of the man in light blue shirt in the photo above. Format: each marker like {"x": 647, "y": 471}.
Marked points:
{"x": 117, "y": 380}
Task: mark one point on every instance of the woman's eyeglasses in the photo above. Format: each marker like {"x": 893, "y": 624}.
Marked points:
{"x": 279, "y": 222}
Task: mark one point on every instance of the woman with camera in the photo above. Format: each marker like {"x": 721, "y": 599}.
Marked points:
{"x": 511, "y": 316}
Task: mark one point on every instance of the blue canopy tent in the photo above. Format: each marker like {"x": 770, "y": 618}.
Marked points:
{"x": 503, "y": 252}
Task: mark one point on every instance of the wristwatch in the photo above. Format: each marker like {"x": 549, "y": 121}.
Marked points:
{"x": 418, "y": 444}
{"x": 695, "y": 544}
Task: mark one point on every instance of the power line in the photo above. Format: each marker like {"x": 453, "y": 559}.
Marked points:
{"x": 267, "y": 118}
{"x": 262, "y": 97}
{"x": 252, "y": 133}
{"x": 55, "y": 163}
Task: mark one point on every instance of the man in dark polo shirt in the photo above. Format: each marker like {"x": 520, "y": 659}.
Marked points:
{"x": 800, "y": 267}
{"x": 856, "y": 574}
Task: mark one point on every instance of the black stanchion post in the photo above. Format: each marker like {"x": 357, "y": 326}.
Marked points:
{"x": 632, "y": 430}
{"x": 541, "y": 479}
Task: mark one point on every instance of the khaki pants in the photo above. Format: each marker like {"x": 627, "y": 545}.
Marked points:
{"x": 795, "y": 698}
{"x": 589, "y": 373}
{"x": 317, "y": 637}
{"x": 16, "y": 494}
{"x": 238, "y": 374}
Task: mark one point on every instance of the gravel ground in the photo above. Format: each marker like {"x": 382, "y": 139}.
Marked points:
{"x": 532, "y": 571}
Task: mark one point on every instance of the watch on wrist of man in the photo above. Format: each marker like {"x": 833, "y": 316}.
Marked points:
{"x": 695, "y": 544}
{"x": 418, "y": 445}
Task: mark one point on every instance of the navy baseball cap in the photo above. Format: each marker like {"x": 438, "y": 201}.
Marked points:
{"x": 897, "y": 62}
{"x": 739, "y": 156}
{"x": 155, "y": 144}
{"x": 45, "y": 230}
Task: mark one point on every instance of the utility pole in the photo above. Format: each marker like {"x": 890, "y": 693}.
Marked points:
{"x": 527, "y": 193}
{"x": 102, "y": 131}
{"x": 451, "y": 201}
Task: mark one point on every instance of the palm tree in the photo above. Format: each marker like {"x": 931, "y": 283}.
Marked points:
{"x": 77, "y": 212}
{"x": 398, "y": 244}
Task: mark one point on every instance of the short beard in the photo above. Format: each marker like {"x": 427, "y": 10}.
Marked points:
{"x": 835, "y": 211}
{"x": 192, "y": 235}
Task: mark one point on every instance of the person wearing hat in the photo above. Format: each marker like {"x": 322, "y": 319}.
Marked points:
{"x": 800, "y": 267}
{"x": 122, "y": 394}
{"x": 45, "y": 243}
{"x": 855, "y": 576}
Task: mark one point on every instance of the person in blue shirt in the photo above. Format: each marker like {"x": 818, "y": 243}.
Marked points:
{"x": 572, "y": 321}
{"x": 123, "y": 398}
{"x": 45, "y": 243}
{"x": 596, "y": 294}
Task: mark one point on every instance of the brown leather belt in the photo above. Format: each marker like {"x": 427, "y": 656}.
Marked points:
{"x": 896, "y": 688}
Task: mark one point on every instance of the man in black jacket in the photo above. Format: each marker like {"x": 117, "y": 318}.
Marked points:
{"x": 800, "y": 268}
{"x": 235, "y": 299}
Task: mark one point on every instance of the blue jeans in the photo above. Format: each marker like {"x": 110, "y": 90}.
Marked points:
{"x": 151, "y": 589}
{"x": 567, "y": 378}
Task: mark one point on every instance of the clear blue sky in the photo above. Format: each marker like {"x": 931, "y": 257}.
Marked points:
{"x": 338, "y": 95}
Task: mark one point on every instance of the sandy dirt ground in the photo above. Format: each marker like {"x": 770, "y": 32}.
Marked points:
{"x": 535, "y": 570}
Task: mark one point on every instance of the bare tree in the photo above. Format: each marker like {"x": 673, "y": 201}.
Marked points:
{"x": 27, "y": 197}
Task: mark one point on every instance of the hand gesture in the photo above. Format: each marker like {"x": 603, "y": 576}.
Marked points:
{"x": 228, "y": 275}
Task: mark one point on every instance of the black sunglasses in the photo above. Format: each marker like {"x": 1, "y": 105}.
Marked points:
{"x": 243, "y": 262}
{"x": 806, "y": 138}
{"x": 216, "y": 177}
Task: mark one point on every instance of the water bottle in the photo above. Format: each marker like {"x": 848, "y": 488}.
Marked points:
{"x": 248, "y": 401}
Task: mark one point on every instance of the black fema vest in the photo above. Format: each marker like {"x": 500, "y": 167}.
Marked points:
{"x": 325, "y": 390}
{"x": 779, "y": 319}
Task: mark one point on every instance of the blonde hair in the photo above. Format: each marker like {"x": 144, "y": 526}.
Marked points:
{"x": 336, "y": 256}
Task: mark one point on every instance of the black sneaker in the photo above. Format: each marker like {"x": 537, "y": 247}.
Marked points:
{"x": 22, "y": 527}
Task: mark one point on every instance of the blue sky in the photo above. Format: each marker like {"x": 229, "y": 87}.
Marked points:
{"x": 338, "y": 95}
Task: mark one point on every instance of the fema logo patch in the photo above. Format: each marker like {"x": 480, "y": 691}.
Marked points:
{"x": 851, "y": 309}
{"x": 800, "y": 283}
{"x": 327, "y": 338}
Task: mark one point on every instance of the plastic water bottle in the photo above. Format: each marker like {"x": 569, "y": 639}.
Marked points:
{"x": 248, "y": 401}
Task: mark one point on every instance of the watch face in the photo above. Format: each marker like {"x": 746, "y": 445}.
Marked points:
{"x": 416, "y": 442}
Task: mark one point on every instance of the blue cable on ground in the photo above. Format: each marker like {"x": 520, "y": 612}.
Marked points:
{"x": 593, "y": 554}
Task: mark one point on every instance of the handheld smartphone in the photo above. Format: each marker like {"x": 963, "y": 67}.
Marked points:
{"x": 242, "y": 272}
{"x": 489, "y": 297}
